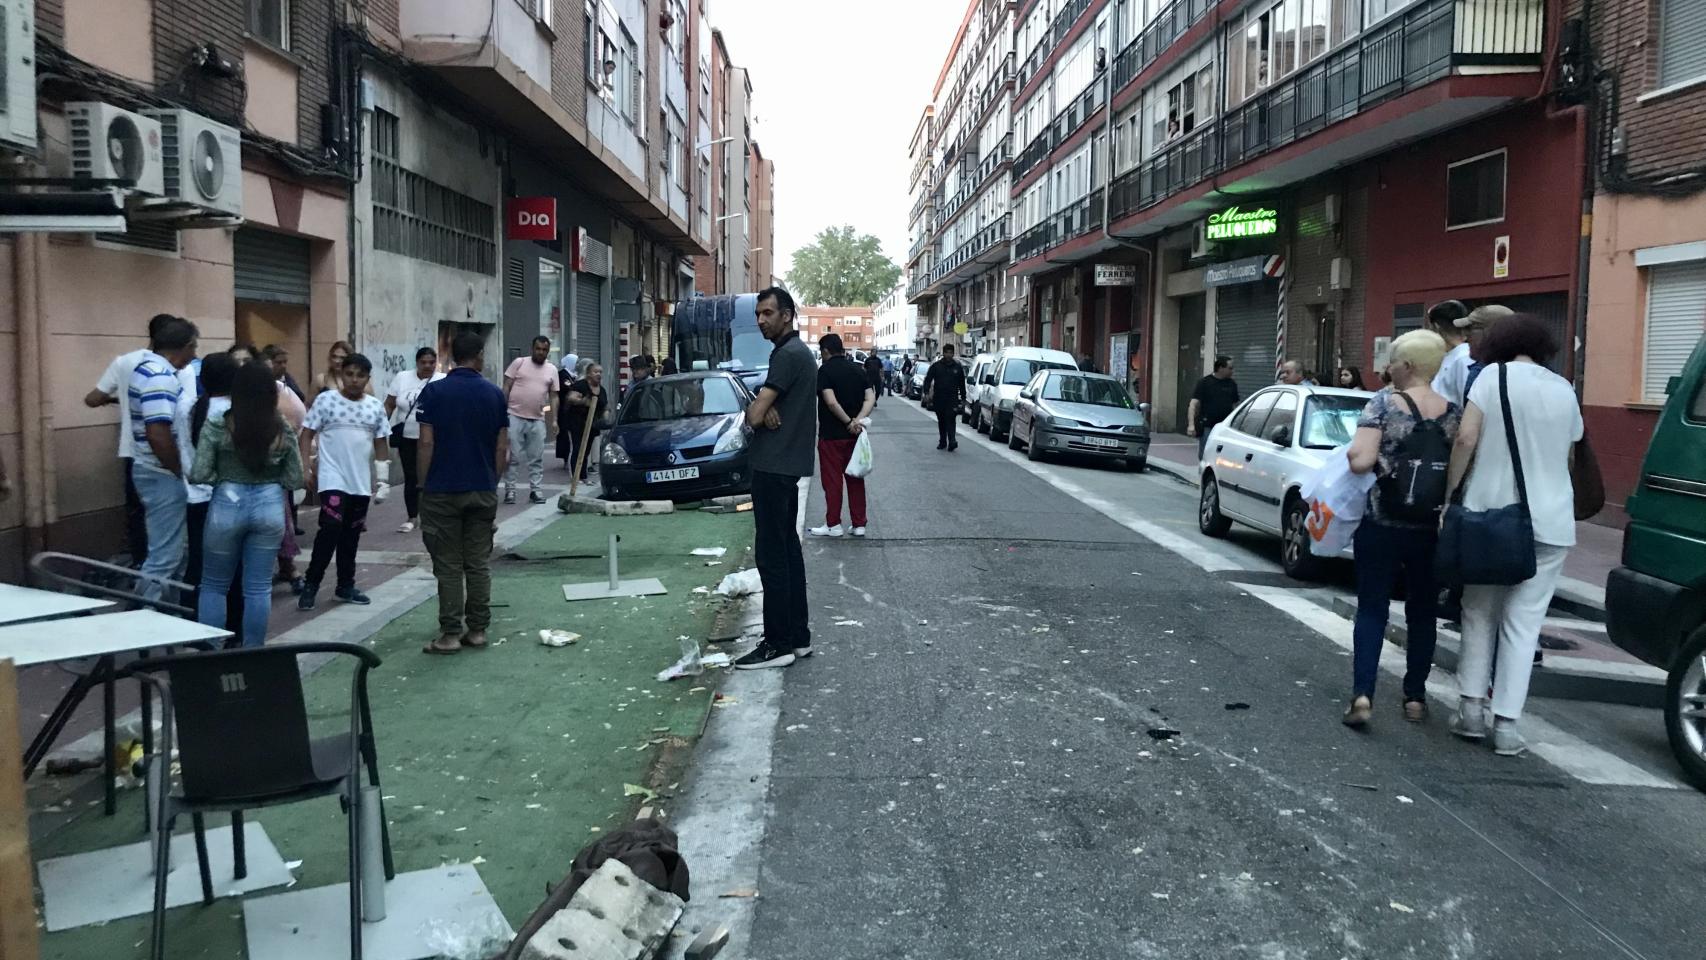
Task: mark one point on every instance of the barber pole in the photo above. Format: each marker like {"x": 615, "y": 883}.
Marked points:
{"x": 1275, "y": 267}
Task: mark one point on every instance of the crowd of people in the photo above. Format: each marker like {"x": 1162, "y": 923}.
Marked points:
{"x": 220, "y": 451}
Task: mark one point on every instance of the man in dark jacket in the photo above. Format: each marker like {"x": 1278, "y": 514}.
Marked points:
{"x": 945, "y": 385}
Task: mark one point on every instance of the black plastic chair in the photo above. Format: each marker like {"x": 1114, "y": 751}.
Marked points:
{"x": 243, "y": 743}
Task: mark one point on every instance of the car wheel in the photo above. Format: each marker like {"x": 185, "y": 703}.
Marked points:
{"x": 1210, "y": 520}
{"x": 1685, "y": 708}
{"x": 1013, "y": 439}
{"x": 995, "y": 432}
{"x": 1033, "y": 449}
{"x": 982, "y": 422}
{"x": 1137, "y": 464}
{"x": 1295, "y": 557}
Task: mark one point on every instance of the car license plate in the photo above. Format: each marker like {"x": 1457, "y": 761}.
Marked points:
{"x": 1101, "y": 442}
{"x": 679, "y": 473}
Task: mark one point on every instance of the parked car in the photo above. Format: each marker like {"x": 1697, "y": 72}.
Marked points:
{"x": 915, "y": 386}
{"x": 1064, "y": 411}
{"x": 680, "y": 437}
{"x": 997, "y": 389}
{"x": 979, "y": 364}
{"x": 1655, "y": 603}
{"x": 1256, "y": 459}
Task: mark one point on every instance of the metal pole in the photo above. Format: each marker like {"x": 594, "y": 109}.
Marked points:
{"x": 372, "y": 856}
{"x": 615, "y": 578}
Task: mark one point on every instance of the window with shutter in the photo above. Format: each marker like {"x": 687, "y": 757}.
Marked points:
{"x": 1676, "y": 318}
{"x": 1682, "y": 41}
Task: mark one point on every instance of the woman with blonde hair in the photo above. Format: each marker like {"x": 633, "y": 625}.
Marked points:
{"x": 333, "y": 377}
{"x": 1404, "y": 436}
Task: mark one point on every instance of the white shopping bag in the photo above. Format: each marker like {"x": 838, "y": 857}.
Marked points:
{"x": 1337, "y": 498}
{"x": 861, "y": 464}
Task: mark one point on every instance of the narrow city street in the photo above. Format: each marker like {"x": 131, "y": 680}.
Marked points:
{"x": 1047, "y": 718}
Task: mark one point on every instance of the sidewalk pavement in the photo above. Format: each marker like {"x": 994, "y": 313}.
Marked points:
{"x": 1598, "y": 548}
{"x": 516, "y": 755}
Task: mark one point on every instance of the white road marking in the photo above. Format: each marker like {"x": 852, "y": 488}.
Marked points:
{"x": 1569, "y": 753}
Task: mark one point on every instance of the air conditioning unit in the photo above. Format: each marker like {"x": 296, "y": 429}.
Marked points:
{"x": 109, "y": 143}
{"x": 203, "y": 161}
{"x": 18, "y": 74}
{"x": 1201, "y": 249}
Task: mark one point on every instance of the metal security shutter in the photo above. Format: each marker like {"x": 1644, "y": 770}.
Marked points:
{"x": 1682, "y": 41}
{"x": 271, "y": 267}
{"x": 1245, "y": 318}
{"x": 589, "y": 312}
{"x": 1676, "y": 318}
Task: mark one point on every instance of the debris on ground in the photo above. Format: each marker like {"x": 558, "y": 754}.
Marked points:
{"x": 723, "y": 701}
{"x": 635, "y": 790}
{"x": 710, "y": 551}
{"x": 1401, "y": 908}
{"x": 1239, "y": 705}
{"x": 1404, "y": 799}
{"x": 739, "y": 893}
{"x": 557, "y": 638}
{"x": 1371, "y": 788}
{"x": 1162, "y": 733}
{"x": 741, "y": 583}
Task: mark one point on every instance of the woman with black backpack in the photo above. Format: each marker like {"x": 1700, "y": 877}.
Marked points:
{"x": 1404, "y": 435}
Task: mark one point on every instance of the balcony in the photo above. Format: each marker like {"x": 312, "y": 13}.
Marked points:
{"x": 985, "y": 97}
{"x": 1078, "y": 218}
{"x": 986, "y": 249}
{"x": 1058, "y": 30}
{"x": 923, "y": 203}
{"x": 1500, "y": 43}
{"x": 1065, "y": 123}
{"x": 975, "y": 183}
{"x": 1171, "y": 23}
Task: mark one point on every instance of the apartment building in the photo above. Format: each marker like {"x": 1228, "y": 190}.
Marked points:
{"x": 761, "y": 259}
{"x": 961, "y": 190}
{"x": 855, "y": 325}
{"x": 896, "y": 321}
{"x": 741, "y": 189}
{"x": 283, "y": 172}
{"x": 1647, "y": 259}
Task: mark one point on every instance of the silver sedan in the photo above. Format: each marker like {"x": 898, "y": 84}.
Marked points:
{"x": 1091, "y": 414}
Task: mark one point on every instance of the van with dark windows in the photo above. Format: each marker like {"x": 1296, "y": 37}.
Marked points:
{"x": 720, "y": 333}
{"x": 1655, "y": 602}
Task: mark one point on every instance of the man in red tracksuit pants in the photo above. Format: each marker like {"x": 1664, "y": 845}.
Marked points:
{"x": 845, "y": 397}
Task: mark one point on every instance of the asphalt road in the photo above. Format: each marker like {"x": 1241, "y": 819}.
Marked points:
{"x": 977, "y": 763}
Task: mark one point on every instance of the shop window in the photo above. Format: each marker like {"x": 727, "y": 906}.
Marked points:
{"x": 269, "y": 20}
{"x": 1407, "y": 317}
{"x": 1676, "y": 302}
{"x": 1682, "y": 42}
{"x": 1475, "y": 191}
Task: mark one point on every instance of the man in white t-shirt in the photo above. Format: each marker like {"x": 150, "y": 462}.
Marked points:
{"x": 529, "y": 385}
{"x": 1446, "y": 319}
{"x": 112, "y": 388}
{"x": 351, "y": 469}
{"x": 402, "y": 402}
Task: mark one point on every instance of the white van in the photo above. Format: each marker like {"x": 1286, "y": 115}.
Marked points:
{"x": 996, "y": 390}
{"x": 979, "y": 364}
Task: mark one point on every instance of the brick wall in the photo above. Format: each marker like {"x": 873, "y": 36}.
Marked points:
{"x": 568, "y": 67}
{"x": 1667, "y": 134}
{"x": 384, "y": 15}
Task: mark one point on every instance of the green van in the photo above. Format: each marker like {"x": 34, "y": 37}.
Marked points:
{"x": 1655, "y": 603}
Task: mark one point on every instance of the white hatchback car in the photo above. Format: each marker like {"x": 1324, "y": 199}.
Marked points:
{"x": 1257, "y": 458}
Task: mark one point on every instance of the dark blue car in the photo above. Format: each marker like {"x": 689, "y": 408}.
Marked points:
{"x": 681, "y": 437}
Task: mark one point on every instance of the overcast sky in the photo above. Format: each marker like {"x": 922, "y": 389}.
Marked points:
{"x": 837, "y": 86}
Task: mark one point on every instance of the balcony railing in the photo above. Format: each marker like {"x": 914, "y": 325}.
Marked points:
{"x": 919, "y": 207}
{"x": 1058, "y": 30}
{"x": 1173, "y": 20}
{"x": 973, "y": 184}
{"x": 1409, "y": 51}
{"x": 1065, "y": 123}
{"x": 992, "y": 89}
{"x": 989, "y": 237}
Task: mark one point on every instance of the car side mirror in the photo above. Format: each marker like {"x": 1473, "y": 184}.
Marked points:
{"x": 1026, "y": 394}
{"x": 1282, "y": 437}
{"x": 1143, "y": 407}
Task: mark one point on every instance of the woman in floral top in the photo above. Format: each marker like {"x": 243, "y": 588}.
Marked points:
{"x": 1391, "y": 538}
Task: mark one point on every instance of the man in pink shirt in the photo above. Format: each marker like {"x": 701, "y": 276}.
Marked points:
{"x": 528, "y": 385}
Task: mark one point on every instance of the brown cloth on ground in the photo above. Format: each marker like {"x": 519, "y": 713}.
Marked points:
{"x": 647, "y": 847}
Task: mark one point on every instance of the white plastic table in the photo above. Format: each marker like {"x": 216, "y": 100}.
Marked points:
{"x": 101, "y": 636}
{"x": 18, "y": 604}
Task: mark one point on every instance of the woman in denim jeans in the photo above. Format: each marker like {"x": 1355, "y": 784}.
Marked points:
{"x": 251, "y": 458}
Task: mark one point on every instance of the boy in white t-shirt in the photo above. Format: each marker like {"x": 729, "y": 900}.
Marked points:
{"x": 351, "y": 469}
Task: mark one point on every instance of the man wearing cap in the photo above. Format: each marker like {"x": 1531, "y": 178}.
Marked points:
{"x": 1446, "y": 319}
{"x": 1479, "y": 321}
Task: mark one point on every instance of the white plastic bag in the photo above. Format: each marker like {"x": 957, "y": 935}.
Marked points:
{"x": 741, "y": 583}
{"x": 861, "y": 464}
{"x": 1337, "y": 498}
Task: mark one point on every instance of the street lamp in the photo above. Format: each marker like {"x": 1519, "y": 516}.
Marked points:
{"x": 731, "y": 216}
{"x": 711, "y": 143}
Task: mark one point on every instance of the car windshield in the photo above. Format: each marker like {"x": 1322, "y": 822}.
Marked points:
{"x": 751, "y": 351}
{"x": 1330, "y": 421}
{"x": 1020, "y": 372}
{"x": 673, "y": 399}
{"x": 1092, "y": 390}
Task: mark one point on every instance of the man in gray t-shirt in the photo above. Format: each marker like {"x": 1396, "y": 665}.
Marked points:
{"x": 784, "y": 423}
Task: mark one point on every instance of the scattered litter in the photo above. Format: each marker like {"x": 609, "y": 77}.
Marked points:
{"x": 848, "y": 623}
{"x": 477, "y": 861}
{"x": 1162, "y": 733}
{"x": 535, "y": 806}
{"x": 710, "y": 551}
{"x": 716, "y": 660}
{"x": 1401, "y": 908}
{"x": 739, "y": 893}
{"x": 702, "y": 591}
{"x": 1137, "y": 851}
{"x": 741, "y": 583}
{"x": 722, "y": 701}
{"x": 1371, "y": 788}
{"x": 687, "y": 666}
{"x": 1404, "y": 799}
{"x": 635, "y": 790}
{"x": 796, "y": 726}
{"x": 924, "y": 623}
{"x": 557, "y": 638}
{"x": 474, "y": 936}
{"x": 1161, "y": 896}
{"x": 1245, "y": 877}
{"x": 1240, "y": 705}
{"x": 293, "y": 864}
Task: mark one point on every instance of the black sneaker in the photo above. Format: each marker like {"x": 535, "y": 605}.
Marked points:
{"x": 536, "y": 497}
{"x": 802, "y": 652}
{"x": 305, "y": 597}
{"x": 509, "y": 496}
{"x": 352, "y": 595}
{"x": 765, "y": 655}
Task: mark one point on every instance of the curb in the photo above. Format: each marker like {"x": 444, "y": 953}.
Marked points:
{"x": 1183, "y": 472}
{"x": 1560, "y": 678}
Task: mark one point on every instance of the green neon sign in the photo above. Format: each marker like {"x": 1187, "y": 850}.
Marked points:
{"x": 1234, "y": 223}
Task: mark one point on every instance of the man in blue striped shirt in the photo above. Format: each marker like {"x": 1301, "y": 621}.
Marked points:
{"x": 157, "y": 469}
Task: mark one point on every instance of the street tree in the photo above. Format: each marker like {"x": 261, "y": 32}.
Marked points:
{"x": 842, "y": 268}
